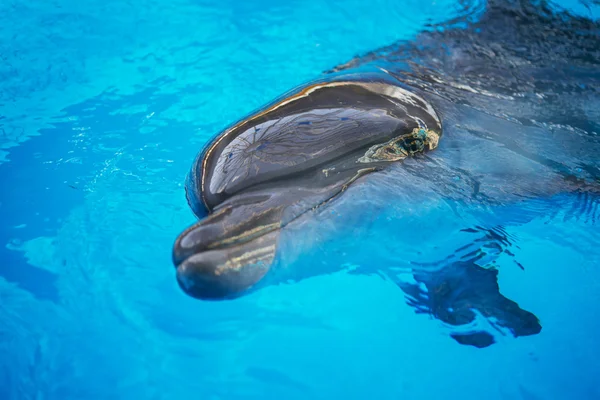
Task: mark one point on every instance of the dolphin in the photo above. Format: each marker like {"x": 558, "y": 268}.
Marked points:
{"x": 424, "y": 147}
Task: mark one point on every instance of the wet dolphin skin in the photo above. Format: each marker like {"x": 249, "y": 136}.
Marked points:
{"x": 288, "y": 158}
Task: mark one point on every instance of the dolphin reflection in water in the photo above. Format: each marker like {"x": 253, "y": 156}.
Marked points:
{"x": 418, "y": 149}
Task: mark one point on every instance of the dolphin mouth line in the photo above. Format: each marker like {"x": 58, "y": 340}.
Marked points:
{"x": 230, "y": 242}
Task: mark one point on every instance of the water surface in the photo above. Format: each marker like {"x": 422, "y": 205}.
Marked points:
{"x": 103, "y": 106}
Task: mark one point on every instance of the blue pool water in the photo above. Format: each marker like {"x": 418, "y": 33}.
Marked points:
{"x": 104, "y": 105}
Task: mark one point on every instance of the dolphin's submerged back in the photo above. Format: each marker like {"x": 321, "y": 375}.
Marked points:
{"x": 517, "y": 96}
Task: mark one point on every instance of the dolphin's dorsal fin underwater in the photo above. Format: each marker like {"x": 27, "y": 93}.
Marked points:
{"x": 476, "y": 118}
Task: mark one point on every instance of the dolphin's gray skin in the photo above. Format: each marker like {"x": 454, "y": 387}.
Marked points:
{"x": 292, "y": 156}
{"x": 512, "y": 101}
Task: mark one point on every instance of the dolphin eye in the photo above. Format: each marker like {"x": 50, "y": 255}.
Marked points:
{"x": 413, "y": 145}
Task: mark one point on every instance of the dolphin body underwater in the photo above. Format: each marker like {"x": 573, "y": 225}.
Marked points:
{"x": 425, "y": 147}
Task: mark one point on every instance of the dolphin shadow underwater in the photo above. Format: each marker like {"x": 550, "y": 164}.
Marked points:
{"x": 425, "y": 147}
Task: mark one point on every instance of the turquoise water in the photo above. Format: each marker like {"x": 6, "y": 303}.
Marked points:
{"x": 103, "y": 106}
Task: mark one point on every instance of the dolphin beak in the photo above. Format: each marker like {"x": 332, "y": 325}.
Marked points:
{"x": 222, "y": 272}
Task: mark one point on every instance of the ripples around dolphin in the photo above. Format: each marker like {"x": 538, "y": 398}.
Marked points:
{"x": 518, "y": 95}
